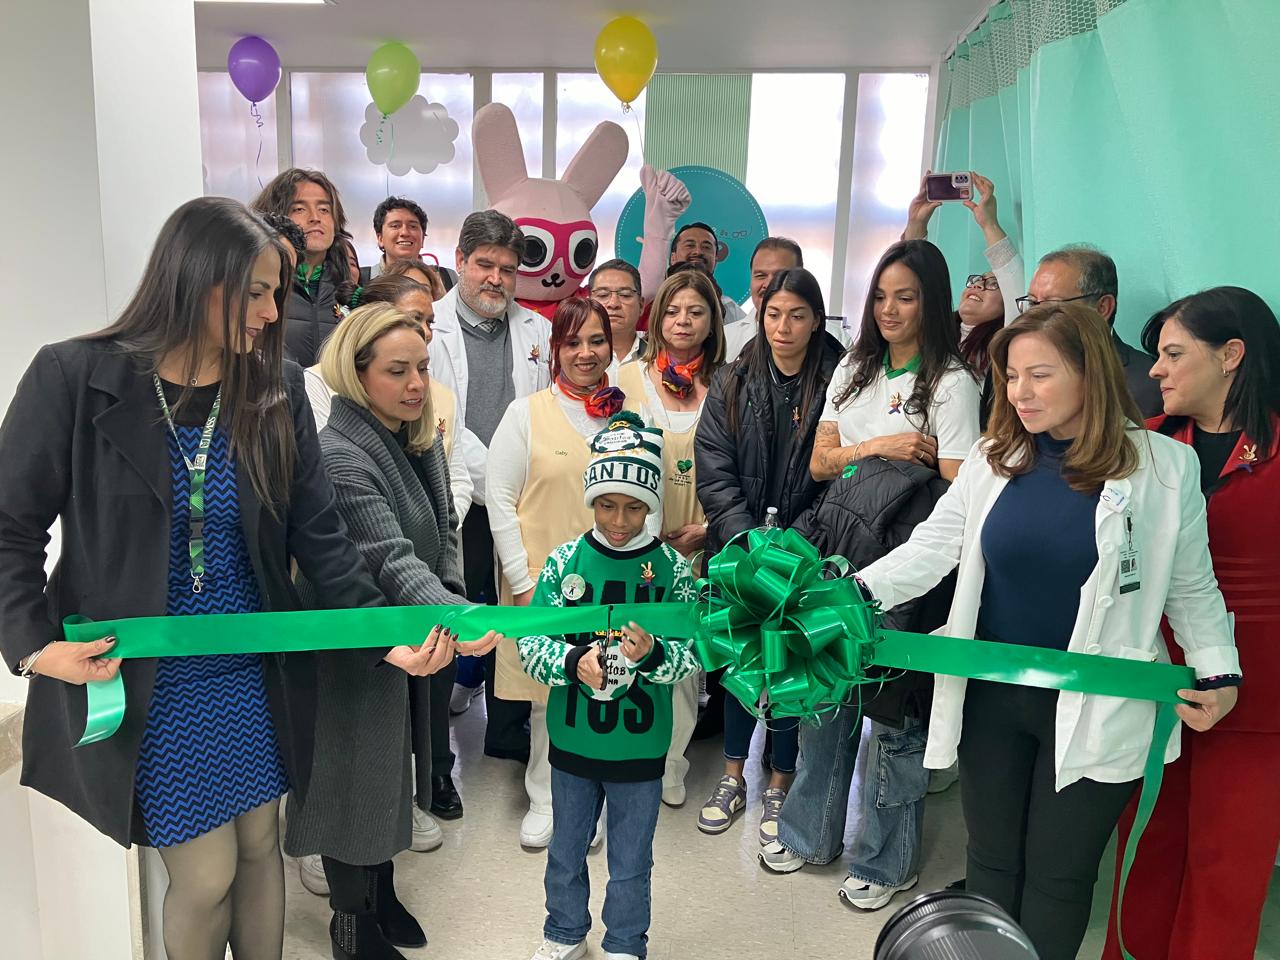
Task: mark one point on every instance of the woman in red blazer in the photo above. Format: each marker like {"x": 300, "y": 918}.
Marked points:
{"x": 1204, "y": 863}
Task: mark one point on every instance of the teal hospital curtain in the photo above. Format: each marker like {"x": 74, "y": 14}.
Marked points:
{"x": 1148, "y": 128}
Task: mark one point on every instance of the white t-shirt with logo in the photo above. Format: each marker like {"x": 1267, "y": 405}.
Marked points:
{"x": 878, "y": 410}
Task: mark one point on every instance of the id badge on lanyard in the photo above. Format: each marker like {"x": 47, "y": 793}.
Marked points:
{"x": 1130, "y": 569}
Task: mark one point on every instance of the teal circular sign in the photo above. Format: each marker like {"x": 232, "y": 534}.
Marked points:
{"x": 719, "y": 200}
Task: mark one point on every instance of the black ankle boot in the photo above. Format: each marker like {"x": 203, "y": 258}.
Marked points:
{"x": 397, "y": 923}
{"x": 357, "y": 936}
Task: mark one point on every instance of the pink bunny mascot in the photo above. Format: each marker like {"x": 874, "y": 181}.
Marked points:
{"x": 560, "y": 238}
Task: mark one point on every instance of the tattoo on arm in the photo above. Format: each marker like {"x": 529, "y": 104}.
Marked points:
{"x": 829, "y": 458}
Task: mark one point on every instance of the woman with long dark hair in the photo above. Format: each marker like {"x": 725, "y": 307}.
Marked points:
{"x": 902, "y": 393}
{"x": 176, "y": 449}
{"x": 1069, "y": 528}
{"x": 752, "y": 453}
{"x": 1206, "y": 859}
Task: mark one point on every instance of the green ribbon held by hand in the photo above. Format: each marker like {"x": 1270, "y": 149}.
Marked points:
{"x": 356, "y": 629}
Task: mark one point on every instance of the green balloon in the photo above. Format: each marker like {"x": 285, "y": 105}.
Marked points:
{"x": 392, "y": 74}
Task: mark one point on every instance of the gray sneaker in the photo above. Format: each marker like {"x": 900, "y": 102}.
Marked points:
{"x": 773, "y": 799}
{"x": 728, "y": 799}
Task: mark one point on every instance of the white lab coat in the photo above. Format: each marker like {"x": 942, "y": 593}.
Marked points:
{"x": 531, "y": 370}
{"x": 1103, "y": 738}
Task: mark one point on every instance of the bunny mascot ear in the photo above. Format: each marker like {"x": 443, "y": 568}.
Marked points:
{"x": 597, "y": 162}
{"x": 499, "y": 154}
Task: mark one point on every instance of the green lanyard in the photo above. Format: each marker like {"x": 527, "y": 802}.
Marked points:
{"x": 195, "y": 471}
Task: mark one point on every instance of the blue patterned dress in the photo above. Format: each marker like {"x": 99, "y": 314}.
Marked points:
{"x": 209, "y": 751}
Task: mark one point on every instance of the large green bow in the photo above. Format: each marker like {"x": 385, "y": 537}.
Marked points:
{"x": 778, "y": 627}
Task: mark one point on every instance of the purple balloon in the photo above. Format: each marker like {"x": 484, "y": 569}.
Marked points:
{"x": 254, "y": 66}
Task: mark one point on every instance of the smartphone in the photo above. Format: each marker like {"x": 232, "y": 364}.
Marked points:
{"x": 947, "y": 186}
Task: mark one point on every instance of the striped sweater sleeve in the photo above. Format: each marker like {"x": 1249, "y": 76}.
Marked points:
{"x": 543, "y": 657}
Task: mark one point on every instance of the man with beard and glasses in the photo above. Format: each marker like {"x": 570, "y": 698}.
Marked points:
{"x": 696, "y": 243}
{"x": 489, "y": 350}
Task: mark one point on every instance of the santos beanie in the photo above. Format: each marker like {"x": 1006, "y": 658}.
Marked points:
{"x": 626, "y": 457}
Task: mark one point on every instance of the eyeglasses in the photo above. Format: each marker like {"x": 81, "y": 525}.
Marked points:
{"x": 986, "y": 283}
{"x": 1026, "y": 303}
{"x": 625, "y": 294}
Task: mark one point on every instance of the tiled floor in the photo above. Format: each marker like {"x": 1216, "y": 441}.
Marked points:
{"x": 480, "y": 895}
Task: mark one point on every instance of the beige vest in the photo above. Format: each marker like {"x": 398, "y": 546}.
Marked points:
{"x": 444, "y": 406}
{"x": 680, "y": 505}
{"x": 550, "y": 512}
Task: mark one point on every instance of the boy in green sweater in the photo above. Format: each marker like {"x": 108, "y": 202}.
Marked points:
{"x": 609, "y": 713}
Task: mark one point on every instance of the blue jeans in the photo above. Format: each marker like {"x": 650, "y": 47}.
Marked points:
{"x": 633, "y": 818}
{"x": 740, "y": 725}
{"x": 890, "y": 800}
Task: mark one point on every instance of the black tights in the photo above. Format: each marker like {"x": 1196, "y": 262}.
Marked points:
{"x": 1032, "y": 849}
{"x": 227, "y": 887}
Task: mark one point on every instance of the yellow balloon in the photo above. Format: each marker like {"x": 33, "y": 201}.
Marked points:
{"x": 626, "y": 56}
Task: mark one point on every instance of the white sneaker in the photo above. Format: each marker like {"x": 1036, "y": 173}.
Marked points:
{"x": 535, "y": 831}
{"x": 460, "y": 699}
{"x": 550, "y": 950}
{"x": 870, "y": 896}
{"x": 941, "y": 781}
{"x": 779, "y": 859}
{"x": 427, "y": 834}
{"x": 674, "y": 795}
{"x": 620, "y": 956}
{"x": 311, "y": 873}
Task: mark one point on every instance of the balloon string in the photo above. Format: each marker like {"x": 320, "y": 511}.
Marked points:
{"x": 257, "y": 162}
{"x": 627, "y": 108}
{"x": 378, "y": 133}
{"x": 390, "y": 153}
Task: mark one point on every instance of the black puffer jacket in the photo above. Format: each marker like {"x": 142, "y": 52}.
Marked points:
{"x": 311, "y": 316}
{"x": 862, "y": 518}
{"x": 733, "y": 470}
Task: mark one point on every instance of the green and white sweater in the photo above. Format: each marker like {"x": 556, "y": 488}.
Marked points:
{"x": 621, "y": 733}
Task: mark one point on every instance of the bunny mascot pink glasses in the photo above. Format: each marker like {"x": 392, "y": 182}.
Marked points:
{"x": 555, "y": 215}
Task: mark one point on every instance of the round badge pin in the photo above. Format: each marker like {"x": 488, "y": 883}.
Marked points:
{"x": 573, "y": 587}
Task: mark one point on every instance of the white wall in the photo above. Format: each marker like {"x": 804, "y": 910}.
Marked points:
{"x": 103, "y": 144}
{"x": 102, "y": 107}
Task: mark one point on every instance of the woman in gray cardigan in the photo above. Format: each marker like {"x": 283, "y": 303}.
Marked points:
{"x": 392, "y": 488}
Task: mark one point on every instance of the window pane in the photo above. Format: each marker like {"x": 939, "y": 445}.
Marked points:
{"x": 793, "y": 160}
{"x": 522, "y": 92}
{"x": 888, "y": 145}
{"x": 583, "y": 102}
{"x": 238, "y": 157}
{"x": 328, "y": 110}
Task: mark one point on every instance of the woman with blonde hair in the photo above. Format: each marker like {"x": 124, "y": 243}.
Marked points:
{"x": 669, "y": 384}
{"x": 390, "y": 478}
{"x": 1073, "y": 529}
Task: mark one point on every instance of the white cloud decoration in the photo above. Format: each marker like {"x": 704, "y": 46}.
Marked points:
{"x": 419, "y": 136}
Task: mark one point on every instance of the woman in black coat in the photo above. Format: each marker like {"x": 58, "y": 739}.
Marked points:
{"x": 752, "y": 453}
{"x": 111, "y": 434}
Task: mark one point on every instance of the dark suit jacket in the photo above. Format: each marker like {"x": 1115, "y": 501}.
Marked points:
{"x": 83, "y": 442}
{"x": 1137, "y": 368}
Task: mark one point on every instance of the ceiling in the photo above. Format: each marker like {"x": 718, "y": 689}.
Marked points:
{"x": 694, "y": 36}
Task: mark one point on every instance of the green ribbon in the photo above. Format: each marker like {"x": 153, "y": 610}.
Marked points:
{"x": 779, "y": 618}
{"x": 355, "y": 629}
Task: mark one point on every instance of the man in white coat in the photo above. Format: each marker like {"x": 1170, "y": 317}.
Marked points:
{"x": 489, "y": 350}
